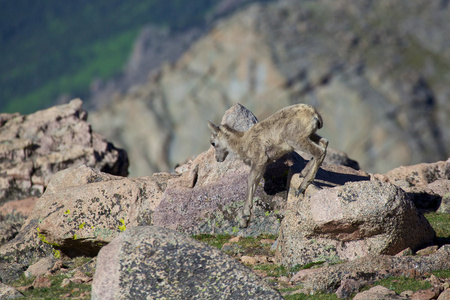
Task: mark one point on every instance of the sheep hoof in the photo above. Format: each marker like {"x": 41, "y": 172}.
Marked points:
{"x": 244, "y": 220}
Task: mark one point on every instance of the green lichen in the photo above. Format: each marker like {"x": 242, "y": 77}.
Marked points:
{"x": 122, "y": 227}
{"x": 81, "y": 225}
{"x": 43, "y": 238}
{"x": 56, "y": 253}
{"x": 67, "y": 212}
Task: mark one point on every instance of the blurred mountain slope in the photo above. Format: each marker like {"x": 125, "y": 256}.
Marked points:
{"x": 52, "y": 48}
{"x": 377, "y": 70}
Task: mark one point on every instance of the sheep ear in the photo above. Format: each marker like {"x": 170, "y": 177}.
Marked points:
{"x": 214, "y": 129}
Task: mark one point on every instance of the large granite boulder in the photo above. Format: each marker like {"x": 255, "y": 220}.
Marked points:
{"x": 350, "y": 221}
{"x": 82, "y": 210}
{"x": 157, "y": 263}
{"x": 34, "y": 147}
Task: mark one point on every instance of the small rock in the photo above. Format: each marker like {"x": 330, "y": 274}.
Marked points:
{"x": 407, "y": 293}
{"x": 303, "y": 274}
{"x": 435, "y": 281}
{"x": 428, "y": 294}
{"x": 378, "y": 292}
{"x": 41, "y": 267}
{"x": 41, "y": 282}
{"x": 267, "y": 241}
{"x": 405, "y": 252}
{"x": 261, "y": 259}
{"x": 347, "y": 288}
{"x": 56, "y": 267}
{"x": 427, "y": 250}
{"x": 411, "y": 273}
{"x": 80, "y": 277}
{"x": 445, "y": 204}
{"x": 236, "y": 239}
{"x": 248, "y": 260}
{"x": 65, "y": 282}
{"x": 24, "y": 288}
{"x": 284, "y": 279}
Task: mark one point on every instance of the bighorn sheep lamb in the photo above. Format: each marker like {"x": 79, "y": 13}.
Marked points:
{"x": 291, "y": 128}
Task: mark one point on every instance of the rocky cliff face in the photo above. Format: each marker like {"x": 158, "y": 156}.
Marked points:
{"x": 377, "y": 71}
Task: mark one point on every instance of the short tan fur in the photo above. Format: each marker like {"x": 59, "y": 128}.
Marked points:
{"x": 291, "y": 128}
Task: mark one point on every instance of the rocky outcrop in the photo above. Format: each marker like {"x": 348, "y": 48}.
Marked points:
{"x": 372, "y": 69}
{"x": 350, "y": 221}
{"x": 427, "y": 184}
{"x": 346, "y": 214}
{"x": 83, "y": 209}
{"x": 34, "y": 147}
{"x": 161, "y": 263}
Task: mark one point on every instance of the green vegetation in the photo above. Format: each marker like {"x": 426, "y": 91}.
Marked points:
{"x": 55, "y": 291}
{"x": 441, "y": 224}
{"x": 213, "y": 240}
{"x": 78, "y": 290}
{"x": 401, "y": 284}
{"x": 249, "y": 245}
{"x": 442, "y": 273}
{"x": 54, "y": 47}
{"x": 318, "y": 296}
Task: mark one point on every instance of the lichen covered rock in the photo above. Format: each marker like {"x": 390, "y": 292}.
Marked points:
{"x": 351, "y": 221}
{"x": 157, "y": 263}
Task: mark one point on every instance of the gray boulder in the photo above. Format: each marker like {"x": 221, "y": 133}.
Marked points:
{"x": 158, "y": 263}
{"x": 350, "y": 221}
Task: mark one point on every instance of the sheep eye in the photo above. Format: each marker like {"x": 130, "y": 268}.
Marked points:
{"x": 213, "y": 144}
